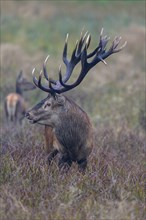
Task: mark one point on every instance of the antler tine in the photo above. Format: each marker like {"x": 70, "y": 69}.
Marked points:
{"x": 46, "y": 59}
{"x": 44, "y": 68}
{"x": 34, "y": 78}
{"x": 84, "y": 36}
{"x": 64, "y": 56}
{"x": 74, "y": 55}
{"x": 114, "y": 45}
{"x": 60, "y": 77}
{"x": 101, "y": 33}
{"x": 102, "y": 44}
{"x": 84, "y": 57}
{"x": 80, "y": 45}
{"x": 88, "y": 40}
{"x": 81, "y": 42}
{"x": 116, "y": 42}
{"x": 120, "y": 48}
{"x": 103, "y": 41}
{"x": 40, "y": 78}
{"x": 69, "y": 65}
{"x": 33, "y": 71}
{"x": 45, "y": 72}
{"x": 102, "y": 60}
{"x": 38, "y": 83}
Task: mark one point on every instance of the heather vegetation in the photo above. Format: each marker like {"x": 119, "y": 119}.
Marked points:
{"x": 113, "y": 186}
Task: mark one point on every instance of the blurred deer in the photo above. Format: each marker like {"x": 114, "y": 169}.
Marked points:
{"x": 65, "y": 122}
{"x": 15, "y": 105}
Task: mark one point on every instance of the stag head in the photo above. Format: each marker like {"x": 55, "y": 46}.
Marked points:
{"x": 47, "y": 111}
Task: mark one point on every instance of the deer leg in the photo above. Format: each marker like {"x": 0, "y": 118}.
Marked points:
{"x": 82, "y": 164}
{"x": 65, "y": 162}
{"x": 6, "y": 111}
{"x": 52, "y": 155}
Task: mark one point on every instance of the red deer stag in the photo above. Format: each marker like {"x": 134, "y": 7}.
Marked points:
{"x": 64, "y": 120}
{"x": 15, "y": 105}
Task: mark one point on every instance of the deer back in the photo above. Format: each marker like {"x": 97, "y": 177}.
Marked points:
{"x": 15, "y": 106}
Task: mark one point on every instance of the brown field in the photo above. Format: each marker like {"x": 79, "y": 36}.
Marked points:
{"x": 113, "y": 187}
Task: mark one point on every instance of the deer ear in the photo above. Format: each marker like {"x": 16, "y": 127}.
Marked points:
{"x": 20, "y": 76}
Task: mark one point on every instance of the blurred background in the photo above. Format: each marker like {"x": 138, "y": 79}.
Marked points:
{"x": 30, "y": 30}
{"x": 112, "y": 95}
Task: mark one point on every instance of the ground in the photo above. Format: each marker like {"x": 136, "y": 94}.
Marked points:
{"x": 113, "y": 186}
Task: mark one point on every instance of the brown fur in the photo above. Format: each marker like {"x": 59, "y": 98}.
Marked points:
{"x": 15, "y": 106}
{"x": 68, "y": 129}
{"x": 50, "y": 139}
{"x": 69, "y": 123}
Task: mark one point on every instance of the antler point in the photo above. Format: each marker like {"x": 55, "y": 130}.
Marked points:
{"x": 123, "y": 45}
{"x": 87, "y": 40}
{"x": 67, "y": 35}
{"x": 101, "y": 31}
{"x": 46, "y": 59}
{"x": 104, "y": 62}
{"x": 33, "y": 71}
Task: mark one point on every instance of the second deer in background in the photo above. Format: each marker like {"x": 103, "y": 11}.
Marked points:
{"x": 15, "y": 104}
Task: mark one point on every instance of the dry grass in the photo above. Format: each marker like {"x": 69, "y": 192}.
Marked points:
{"x": 112, "y": 188}
{"x": 113, "y": 96}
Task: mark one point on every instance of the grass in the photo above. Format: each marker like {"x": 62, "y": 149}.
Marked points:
{"x": 114, "y": 180}
{"x": 113, "y": 186}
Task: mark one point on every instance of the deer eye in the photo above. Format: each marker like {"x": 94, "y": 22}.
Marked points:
{"x": 47, "y": 105}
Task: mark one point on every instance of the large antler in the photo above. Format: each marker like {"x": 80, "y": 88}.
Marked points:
{"x": 79, "y": 54}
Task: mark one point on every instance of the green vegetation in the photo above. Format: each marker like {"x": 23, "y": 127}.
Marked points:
{"x": 113, "y": 96}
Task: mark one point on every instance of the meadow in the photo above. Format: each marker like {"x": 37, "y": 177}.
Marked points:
{"x": 113, "y": 187}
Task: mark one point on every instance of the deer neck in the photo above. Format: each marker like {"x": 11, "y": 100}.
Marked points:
{"x": 18, "y": 89}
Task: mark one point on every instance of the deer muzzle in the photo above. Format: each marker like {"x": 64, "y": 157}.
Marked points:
{"x": 30, "y": 117}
